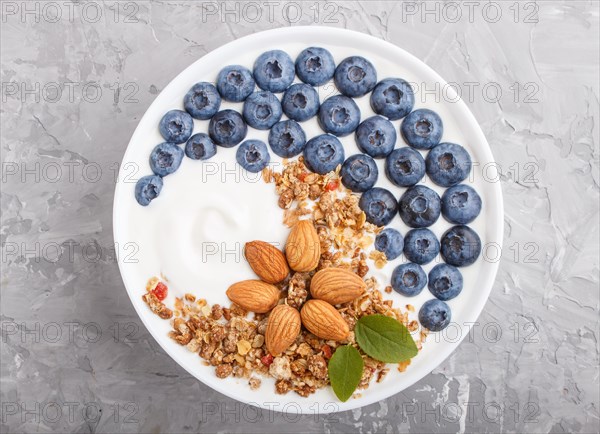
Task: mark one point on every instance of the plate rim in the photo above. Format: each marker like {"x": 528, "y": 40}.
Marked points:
{"x": 459, "y": 104}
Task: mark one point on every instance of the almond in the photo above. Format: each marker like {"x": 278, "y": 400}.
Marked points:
{"x": 336, "y": 285}
{"x": 283, "y": 327}
{"x": 324, "y": 321}
{"x": 303, "y": 248}
{"x": 267, "y": 261}
{"x": 254, "y": 295}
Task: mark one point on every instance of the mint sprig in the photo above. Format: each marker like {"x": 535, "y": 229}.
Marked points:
{"x": 345, "y": 371}
{"x": 380, "y": 337}
{"x": 384, "y": 339}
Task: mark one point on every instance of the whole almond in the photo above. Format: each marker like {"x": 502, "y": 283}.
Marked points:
{"x": 283, "y": 327}
{"x": 324, "y": 321}
{"x": 254, "y": 295}
{"x": 267, "y": 261}
{"x": 303, "y": 248}
{"x": 336, "y": 285}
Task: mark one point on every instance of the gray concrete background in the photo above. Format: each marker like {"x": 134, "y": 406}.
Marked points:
{"x": 75, "y": 357}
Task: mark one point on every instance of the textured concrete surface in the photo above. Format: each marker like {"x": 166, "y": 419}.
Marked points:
{"x": 77, "y": 77}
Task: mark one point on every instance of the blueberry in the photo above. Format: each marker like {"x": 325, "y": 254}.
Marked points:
{"x": 448, "y": 164}
{"x": 355, "y": 76}
{"x": 202, "y": 101}
{"x": 200, "y": 147}
{"x": 419, "y": 206}
{"x": 274, "y": 71}
{"x": 323, "y": 153}
{"x": 390, "y": 242}
{"x": 235, "y": 83}
{"x": 461, "y": 246}
{"x": 315, "y": 66}
{"x": 300, "y": 102}
{"x": 359, "y": 173}
{"x": 376, "y": 136}
{"x": 422, "y": 129}
{"x": 147, "y": 189}
{"x": 287, "y": 139}
{"x": 445, "y": 282}
{"x": 253, "y": 155}
{"x": 461, "y": 204}
{"x": 409, "y": 279}
{"x": 176, "y": 126}
{"x": 339, "y": 115}
{"x": 405, "y": 167}
{"x": 435, "y": 315}
{"x": 165, "y": 158}
{"x": 421, "y": 246}
{"x": 392, "y": 98}
{"x": 227, "y": 128}
{"x": 379, "y": 205}
{"x": 262, "y": 110}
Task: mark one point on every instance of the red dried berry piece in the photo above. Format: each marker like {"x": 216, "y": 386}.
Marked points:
{"x": 326, "y": 351}
{"x": 302, "y": 176}
{"x": 160, "y": 291}
{"x": 267, "y": 360}
{"x": 332, "y": 185}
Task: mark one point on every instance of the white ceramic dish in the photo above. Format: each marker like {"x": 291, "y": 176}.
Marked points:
{"x": 194, "y": 232}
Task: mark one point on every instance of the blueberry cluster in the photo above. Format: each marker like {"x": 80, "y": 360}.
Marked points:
{"x": 419, "y": 207}
{"x": 273, "y": 72}
{"x": 446, "y": 164}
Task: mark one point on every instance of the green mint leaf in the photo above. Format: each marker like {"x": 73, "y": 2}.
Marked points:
{"x": 345, "y": 371}
{"x": 384, "y": 339}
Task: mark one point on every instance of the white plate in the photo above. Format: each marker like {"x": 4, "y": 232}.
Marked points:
{"x": 199, "y": 211}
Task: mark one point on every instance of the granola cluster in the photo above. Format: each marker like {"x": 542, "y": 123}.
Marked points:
{"x": 342, "y": 227}
{"x": 234, "y": 344}
{"x": 297, "y": 290}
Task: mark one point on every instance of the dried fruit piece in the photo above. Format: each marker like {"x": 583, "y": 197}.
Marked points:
{"x": 324, "y": 321}
{"x": 326, "y": 351}
{"x": 267, "y": 360}
{"x": 254, "y": 295}
{"x": 160, "y": 291}
{"x": 283, "y": 327}
{"x": 303, "y": 248}
{"x": 336, "y": 285}
{"x": 332, "y": 185}
{"x": 267, "y": 261}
